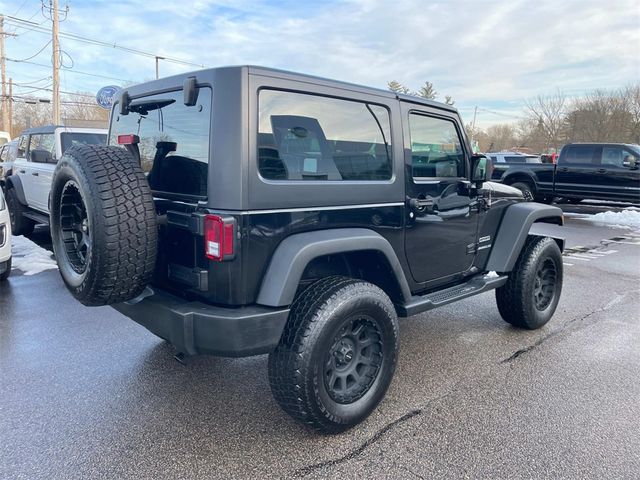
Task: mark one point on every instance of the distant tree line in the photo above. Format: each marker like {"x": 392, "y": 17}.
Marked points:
{"x": 554, "y": 120}
{"x": 78, "y": 107}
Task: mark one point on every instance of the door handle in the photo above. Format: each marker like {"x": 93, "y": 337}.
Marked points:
{"x": 601, "y": 170}
{"x": 22, "y": 171}
{"x": 564, "y": 169}
{"x": 422, "y": 204}
{"x": 35, "y": 174}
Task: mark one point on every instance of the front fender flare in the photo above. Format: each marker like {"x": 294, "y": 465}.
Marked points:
{"x": 13, "y": 181}
{"x": 514, "y": 229}
{"x": 281, "y": 280}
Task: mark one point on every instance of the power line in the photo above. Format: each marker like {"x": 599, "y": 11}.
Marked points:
{"x": 71, "y": 71}
{"x": 35, "y": 54}
{"x": 47, "y": 89}
{"x": 22, "y": 23}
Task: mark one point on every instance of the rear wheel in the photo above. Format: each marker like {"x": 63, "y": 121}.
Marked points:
{"x": 531, "y": 294}
{"x": 337, "y": 354}
{"x": 20, "y": 225}
{"x": 103, "y": 224}
{"x": 526, "y": 190}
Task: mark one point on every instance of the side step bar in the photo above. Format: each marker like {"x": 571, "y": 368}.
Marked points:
{"x": 476, "y": 285}
{"x": 37, "y": 217}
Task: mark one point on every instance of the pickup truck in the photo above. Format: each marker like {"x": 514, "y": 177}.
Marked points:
{"x": 600, "y": 171}
{"x": 27, "y": 180}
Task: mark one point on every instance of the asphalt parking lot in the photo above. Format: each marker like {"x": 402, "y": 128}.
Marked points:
{"x": 87, "y": 393}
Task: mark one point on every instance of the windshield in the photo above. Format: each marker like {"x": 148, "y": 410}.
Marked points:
{"x": 69, "y": 139}
{"x": 174, "y": 141}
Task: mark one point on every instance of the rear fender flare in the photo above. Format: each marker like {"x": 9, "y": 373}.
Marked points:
{"x": 514, "y": 229}
{"x": 281, "y": 280}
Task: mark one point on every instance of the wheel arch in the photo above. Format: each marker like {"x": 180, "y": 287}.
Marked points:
{"x": 14, "y": 182}
{"x": 359, "y": 248}
{"x": 513, "y": 232}
{"x": 520, "y": 177}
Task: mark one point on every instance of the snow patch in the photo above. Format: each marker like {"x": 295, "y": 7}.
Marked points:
{"x": 29, "y": 257}
{"x": 626, "y": 218}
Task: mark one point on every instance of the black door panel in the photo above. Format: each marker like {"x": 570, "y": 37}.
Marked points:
{"x": 442, "y": 218}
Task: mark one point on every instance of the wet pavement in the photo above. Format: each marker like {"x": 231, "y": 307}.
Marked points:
{"x": 87, "y": 393}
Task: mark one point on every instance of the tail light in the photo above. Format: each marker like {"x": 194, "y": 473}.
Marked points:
{"x": 219, "y": 236}
{"x": 128, "y": 139}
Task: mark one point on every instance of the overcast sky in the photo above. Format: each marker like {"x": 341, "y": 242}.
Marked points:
{"x": 493, "y": 54}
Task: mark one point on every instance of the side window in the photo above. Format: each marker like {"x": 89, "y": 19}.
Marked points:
{"x": 581, "y": 154}
{"x": 613, "y": 156}
{"x": 436, "y": 149}
{"x": 309, "y": 137}
{"x": 22, "y": 146}
{"x": 42, "y": 142}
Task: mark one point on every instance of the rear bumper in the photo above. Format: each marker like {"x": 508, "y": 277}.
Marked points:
{"x": 197, "y": 328}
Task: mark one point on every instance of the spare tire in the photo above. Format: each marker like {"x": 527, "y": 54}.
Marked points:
{"x": 103, "y": 224}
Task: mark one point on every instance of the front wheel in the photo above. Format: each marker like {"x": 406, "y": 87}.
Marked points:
{"x": 20, "y": 225}
{"x": 525, "y": 188}
{"x": 531, "y": 294}
{"x": 337, "y": 355}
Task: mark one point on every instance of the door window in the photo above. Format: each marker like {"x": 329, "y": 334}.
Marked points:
{"x": 22, "y": 146}
{"x": 581, "y": 155}
{"x": 43, "y": 141}
{"x": 436, "y": 149}
{"x": 614, "y": 156}
{"x": 309, "y": 137}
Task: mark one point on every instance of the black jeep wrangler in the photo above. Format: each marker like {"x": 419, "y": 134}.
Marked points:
{"x": 243, "y": 210}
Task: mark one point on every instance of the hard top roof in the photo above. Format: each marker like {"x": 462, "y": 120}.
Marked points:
{"x": 163, "y": 83}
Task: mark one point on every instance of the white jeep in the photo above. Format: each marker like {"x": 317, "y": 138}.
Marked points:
{"x": 5, "y": 240}
{"x": 29, "y": 184}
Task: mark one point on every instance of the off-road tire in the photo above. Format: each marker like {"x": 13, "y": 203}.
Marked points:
{"x": 516, "y": 299}
{"x": 297, "y": 366}
{"x": 526, "y": 190}
{"x": 111, "y": 188}
{"x": 4, "y": 275}
{"x": 20, "y": 225}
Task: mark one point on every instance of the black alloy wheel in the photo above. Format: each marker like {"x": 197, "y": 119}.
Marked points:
{"x": 545, "y": 284}
{"x": 354, "y": 360}
{"x": 75, "y": 227}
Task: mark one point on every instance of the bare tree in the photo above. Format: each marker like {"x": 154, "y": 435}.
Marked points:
{"x": 549, "y": 113}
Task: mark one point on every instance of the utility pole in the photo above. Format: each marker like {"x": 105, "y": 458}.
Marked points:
{"x": 5, "y": 112}
{"x": 56, "y": 65}
{"x": 475, "y": 112}
{"x": 10, "y": 103}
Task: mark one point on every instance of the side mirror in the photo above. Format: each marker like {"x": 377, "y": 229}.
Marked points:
{"x": 630, "y": 162}
{"x": 40, "y": 156}
{"x": 481, "y": 169}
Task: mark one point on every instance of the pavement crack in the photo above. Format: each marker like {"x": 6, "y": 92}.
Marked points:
{"x": 304, "y": 471}
{"x": 564, "y": 328}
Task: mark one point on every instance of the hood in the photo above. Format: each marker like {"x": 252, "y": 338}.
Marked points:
{"x": 499, "y": 190}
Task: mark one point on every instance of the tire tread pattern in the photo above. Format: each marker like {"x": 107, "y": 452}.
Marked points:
{"x": 124, "y": 236}
{"x": 514, "y": 298}
{"x": 287, "y": 367}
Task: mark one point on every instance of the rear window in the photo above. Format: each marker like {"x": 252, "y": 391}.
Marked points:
{"x": 69, "y": 139}
{"x": 174, "y": 141}
{"x": 581, "y": 154}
